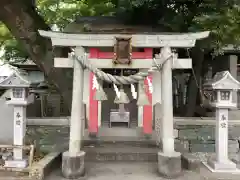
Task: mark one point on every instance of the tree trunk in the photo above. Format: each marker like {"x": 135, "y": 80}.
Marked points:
{"x": 193, "y": 91}
{"x": 22, "y": 19}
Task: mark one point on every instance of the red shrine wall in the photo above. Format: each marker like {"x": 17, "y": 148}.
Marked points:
{"x": 93, "y": 104}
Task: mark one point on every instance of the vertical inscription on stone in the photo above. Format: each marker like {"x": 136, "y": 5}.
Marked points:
{"x": 18, "y": 121}
{"x": 223, "y": 121}
{"x": 157, "y": 121}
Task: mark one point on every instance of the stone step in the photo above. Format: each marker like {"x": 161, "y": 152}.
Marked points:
{"x": 119, "y": 142}
{"x": 120, "y": 153}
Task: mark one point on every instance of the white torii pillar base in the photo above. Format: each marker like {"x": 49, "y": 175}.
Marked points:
{"x": 169, "y": 161}
{"x": 221, "y": 163}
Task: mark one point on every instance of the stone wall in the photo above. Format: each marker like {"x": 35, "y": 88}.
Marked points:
{"x": 48, "y": 138}
{"x": 202, "y": 138}
{"x": 52, "y": 106}
{"x": 189, "y": 138}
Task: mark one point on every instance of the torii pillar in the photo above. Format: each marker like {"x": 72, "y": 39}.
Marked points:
{"x": 169, "y": 161}
{"x": 73, "y": 159}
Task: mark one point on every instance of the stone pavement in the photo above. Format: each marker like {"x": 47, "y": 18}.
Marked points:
{"x": 139, "y": 171}
{"x": 130, "y": 171}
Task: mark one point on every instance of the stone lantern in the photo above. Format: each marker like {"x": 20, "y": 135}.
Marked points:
{"x": 222, "y": 86}
{"x": 20, "y": 84}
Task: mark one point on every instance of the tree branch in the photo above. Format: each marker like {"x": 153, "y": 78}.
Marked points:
{"x": 23, "y": 21}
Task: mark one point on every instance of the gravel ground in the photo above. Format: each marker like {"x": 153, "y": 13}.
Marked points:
{"x": 139, "y": 171}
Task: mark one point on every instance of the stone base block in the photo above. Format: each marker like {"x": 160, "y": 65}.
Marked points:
{"x": 73, "y": 166}
{"x": 93, "y": 135}
{"x": 169, "y": 165}
{"x": 193, "y": 161}
{"x": 224, "y": 167}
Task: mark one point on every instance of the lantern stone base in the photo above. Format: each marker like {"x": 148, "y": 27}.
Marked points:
{"x": 222, "y": 167}
{"x": 169, "y": 165}
{"x": 73, "y": 166}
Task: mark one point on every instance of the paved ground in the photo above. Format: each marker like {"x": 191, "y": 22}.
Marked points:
{"x": 139, "y": 171}
{"x": 131, "y": 171}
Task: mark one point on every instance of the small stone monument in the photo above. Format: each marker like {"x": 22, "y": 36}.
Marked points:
{"x": 222, "y": 87}
{"x": 19, "y": 84}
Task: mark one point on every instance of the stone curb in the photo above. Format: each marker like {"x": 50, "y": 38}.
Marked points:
{"x": 41, "y": 169}
{"x": 190, "y": 164}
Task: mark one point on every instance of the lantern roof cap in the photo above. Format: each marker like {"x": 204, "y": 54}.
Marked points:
{"x": 223, "y": 81}
{"x": 21, "y": 78}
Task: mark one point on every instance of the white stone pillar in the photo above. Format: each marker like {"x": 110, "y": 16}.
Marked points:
{"x": 19, "y": 129}
{"x": 86, "y": 90}
{"x": 167, "y": 104}
{"x": 77, "y": 102}
{"x": 157, "y": 91}
{"x": 169, "y": 161}
{"x": 73, "y": 160}
{"x": 222, "y": 163}
{"x": 221, "y": 135}
{"x": 157, "y": 98}
{"x": 140, "y": 108}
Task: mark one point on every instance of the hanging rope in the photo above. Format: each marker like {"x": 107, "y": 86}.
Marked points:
{"x": 119, "y": 80}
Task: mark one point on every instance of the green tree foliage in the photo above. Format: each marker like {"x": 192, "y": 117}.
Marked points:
{"x": 224, "y": 23}
{"x": 222, "y": 17}
{"x": 10, "y": 45}
{"x": 54, "y": 12}
{"x": 64, "y": 11}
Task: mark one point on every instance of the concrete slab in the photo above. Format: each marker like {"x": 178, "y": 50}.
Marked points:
{"x": 120, "y": 171}
{"x": 132, "y": 171}
{"x": 140, "y": 171}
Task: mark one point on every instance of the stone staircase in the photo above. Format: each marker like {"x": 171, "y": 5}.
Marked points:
{"x": 120, "y": 151}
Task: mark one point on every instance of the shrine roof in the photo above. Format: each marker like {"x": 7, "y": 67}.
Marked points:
{"x": 105, "y": 24}
{"x": 20, "y": 78}
{"x": 99, "y": 20}
{"x": 223, "y": 80}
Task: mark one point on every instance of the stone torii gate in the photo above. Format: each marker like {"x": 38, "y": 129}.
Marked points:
{"x": 169, "y": 161}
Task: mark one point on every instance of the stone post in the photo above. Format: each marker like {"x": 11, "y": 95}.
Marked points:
{"x": 222, "y": 162}
{"x": 73, "y": 160}
{"x": 19, "y": 129}
{"x": 222, "y": 135}
{"x": 140, "y": 108}
{"x": 169, "y": 161}
{"x": 19, "y": 100}
{"x": 156, "y": 102}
